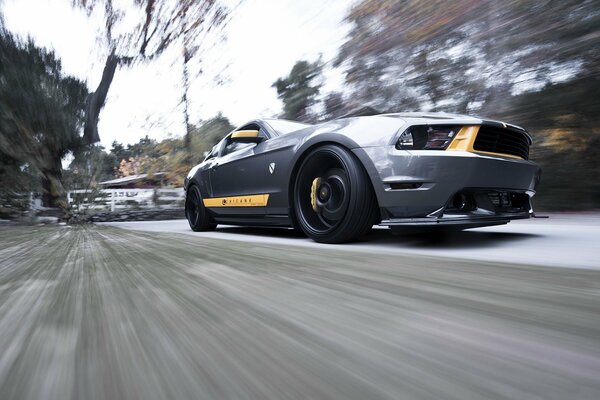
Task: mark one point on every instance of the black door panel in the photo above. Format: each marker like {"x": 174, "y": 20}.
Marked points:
{"x": 235, "y": 174}
{"x": 252, "y": 169}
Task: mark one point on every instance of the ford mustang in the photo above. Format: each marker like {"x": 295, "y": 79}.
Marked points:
{"x": 337, "y": 179}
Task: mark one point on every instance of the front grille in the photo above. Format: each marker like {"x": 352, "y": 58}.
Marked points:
{"x": 503, "y": 141}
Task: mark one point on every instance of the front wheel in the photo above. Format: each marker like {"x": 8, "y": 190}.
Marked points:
{"x": 333, "y": 198}
{"x": 196, "y": 213}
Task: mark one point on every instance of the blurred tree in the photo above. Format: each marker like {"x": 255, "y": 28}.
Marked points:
{"x": 173, "y": 160}
{"x": 566, "y": 124}
{"x": 149, "y": 157}
{"x": 154, "y": 27}
{"x": 144, "y": 147}
{"x": 405, "y": 55}
{"x": 462, "y": 55}
{"x": 334, "y": 105}
{"x": 299, "y": 89}
{"x": 208, "y": 133}
{"x": 190, "y": 50}
{"x": 119, "y": 151}
{"x": 93, "y": 164}
{"x": 41, "y": 112}
{"x": 90, "y": 165}
{"x": 533, "y": 63}
{"x": 16, "y": 182}
{"x": 137, "y": 158}
{"x": 133, "y": 166}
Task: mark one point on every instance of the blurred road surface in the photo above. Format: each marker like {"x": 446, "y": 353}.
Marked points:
{"x": 569, "y": 240}
{"x": 105, "y": 313}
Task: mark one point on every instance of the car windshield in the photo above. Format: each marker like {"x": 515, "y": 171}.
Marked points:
{"x": 282, "y": 126}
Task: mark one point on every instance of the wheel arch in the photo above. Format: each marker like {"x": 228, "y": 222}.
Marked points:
{"x": 195, "y": 178}
{"x": 189, "y": 183}
{"x": 303, "y": 152}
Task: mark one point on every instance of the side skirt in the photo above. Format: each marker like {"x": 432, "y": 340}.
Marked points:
{"x": 259, "y": 220}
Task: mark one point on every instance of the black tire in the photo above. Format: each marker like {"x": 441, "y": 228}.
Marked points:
{"x": 333, "y": 197}
{"x": 195, "y": 212}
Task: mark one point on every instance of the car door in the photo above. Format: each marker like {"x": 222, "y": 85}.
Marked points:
{"x": 202, "y": 171}
{"x": 238, "y": 176}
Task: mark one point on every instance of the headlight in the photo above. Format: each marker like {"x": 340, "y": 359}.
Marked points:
{"x": 427, "y": 137}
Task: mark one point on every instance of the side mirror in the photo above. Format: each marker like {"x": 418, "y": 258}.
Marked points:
{"x": 247, "y": 136}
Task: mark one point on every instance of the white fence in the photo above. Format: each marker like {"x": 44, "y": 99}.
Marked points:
{"x": 118, "y": 199}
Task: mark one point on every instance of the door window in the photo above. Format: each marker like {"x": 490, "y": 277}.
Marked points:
{"x": 231, "y": 146}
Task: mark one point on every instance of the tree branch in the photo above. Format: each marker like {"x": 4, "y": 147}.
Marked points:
{"x": 96, "y": 100}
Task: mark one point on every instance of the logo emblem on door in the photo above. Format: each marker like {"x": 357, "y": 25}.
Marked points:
{"x": 272, "y": 167}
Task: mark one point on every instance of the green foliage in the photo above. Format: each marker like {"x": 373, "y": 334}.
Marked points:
{"x": 565, "y": 124}
{"x": 119, "y": 151}
{"x": 462, "y": 55}
{"x": 41, "y": 113}
{"x": 90, "y": 165}
{"x": 16, "y": 182}
{"x": 149, "y": 157}
{"x": 299, "y": 89}
{"x": 208, "y": 133}
{"x": 93, "y": 164}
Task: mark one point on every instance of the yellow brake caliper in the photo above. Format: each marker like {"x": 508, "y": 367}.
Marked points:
{"x": 313, "y": 194}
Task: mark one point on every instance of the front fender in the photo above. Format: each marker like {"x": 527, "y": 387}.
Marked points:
{"x": 303, "y": 149}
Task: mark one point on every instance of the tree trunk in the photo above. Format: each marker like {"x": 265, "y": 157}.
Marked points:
{"x": 186, "y": 114}
{"x": 187, "y": 56}
{"x": 53, "y": 192}
{"x": 96, "y": 100}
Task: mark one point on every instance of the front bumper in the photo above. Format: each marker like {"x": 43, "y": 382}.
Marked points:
{"x": 420, "y": 187}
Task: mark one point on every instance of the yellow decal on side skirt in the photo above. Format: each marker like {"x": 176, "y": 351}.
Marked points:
{"x": 255, "y": 200}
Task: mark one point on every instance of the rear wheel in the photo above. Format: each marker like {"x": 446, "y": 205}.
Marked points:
{"x": 195, "y": 212}
{"x": 333, "y": 198}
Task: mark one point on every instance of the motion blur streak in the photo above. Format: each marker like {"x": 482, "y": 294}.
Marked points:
{"x": 98, "y": 312}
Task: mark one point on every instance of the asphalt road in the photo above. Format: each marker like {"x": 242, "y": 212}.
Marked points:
{"x": 566, "y": 240}
{"x": 105, "y": 313}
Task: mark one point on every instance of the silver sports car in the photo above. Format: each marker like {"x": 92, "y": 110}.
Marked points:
{"x": 337, "y": 179}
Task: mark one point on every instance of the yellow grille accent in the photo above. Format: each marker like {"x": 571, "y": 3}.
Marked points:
{"x": 465, "y": 139}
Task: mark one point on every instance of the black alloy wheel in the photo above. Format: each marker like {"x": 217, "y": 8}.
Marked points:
{"x": 195, "y": 212}
{"x": 333, "y": 198}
